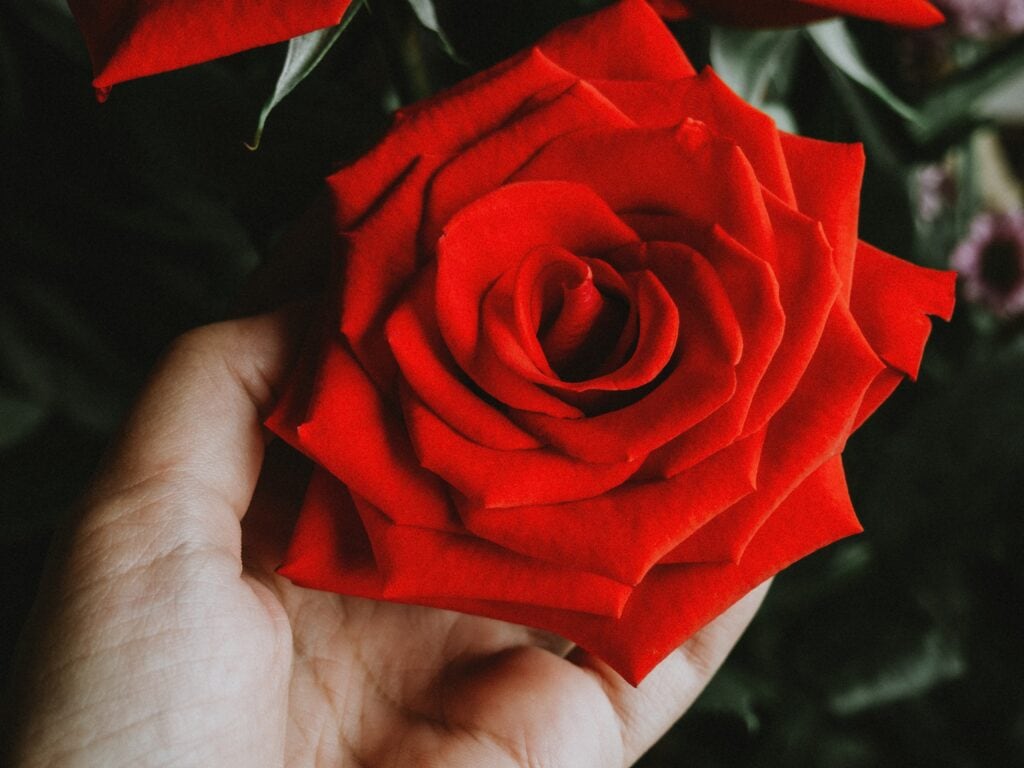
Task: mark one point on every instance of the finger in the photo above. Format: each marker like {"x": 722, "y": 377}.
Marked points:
{"x": 646, "y": 712}
{"x": 190, "y": 452}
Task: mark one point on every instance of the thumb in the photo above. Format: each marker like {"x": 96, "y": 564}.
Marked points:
{"x": 647, "y": 711}
{"x": 188, "y": 457}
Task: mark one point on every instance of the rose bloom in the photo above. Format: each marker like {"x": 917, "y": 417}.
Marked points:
{"x": 134, "y": 38}
{"x": 599, "y": 336}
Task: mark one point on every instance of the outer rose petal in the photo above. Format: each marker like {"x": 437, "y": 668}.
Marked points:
{"x": 443, "y": 127}
{"x": 495, "y": 478}
{"x": 355, "y": 434}
{"x": 415, "y": 564}
{"x": 892, "y": 300}
{"x": 809, "y": 429}
{"x": 625, "y": 41}
{"x": 911, "y": 13}
{"x": 707, "y": 99}
{"x": 134, "y": 38}
{"x": 639, "y": 521}
{"x": 673, "y": 602}
{"x": 827, "y": 179}
{"x": 330, "y": 550}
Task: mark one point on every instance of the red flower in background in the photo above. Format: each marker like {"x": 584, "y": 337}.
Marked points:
{"x": 744, "y": 13}
{"x": 134, "y": 38}
{"x": 131, "y": 38}
{"x": 600, "y": 335}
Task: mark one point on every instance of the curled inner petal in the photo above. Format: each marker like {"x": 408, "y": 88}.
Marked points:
{"x": 573, "y": 325}
{"x": 611, "y": 334}
{"x": 572, "y": 316}
{"x": 477, "y": 260}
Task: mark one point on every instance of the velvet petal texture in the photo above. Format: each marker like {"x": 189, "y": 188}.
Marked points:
{"x": 599, "y": 336}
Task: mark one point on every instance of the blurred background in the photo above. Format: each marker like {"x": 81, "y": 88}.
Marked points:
{"x": 124, "y": 224}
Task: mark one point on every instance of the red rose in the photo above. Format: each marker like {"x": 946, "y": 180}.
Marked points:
{"x": 769, "y": 13}
{"x": 602, "y": 332}
{"x": 134, "y": 38}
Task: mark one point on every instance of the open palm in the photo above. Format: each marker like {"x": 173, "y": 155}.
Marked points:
{"x": 160, "y": 639}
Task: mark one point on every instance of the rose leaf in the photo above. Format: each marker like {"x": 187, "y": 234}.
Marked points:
{"x": 304, "y": 53}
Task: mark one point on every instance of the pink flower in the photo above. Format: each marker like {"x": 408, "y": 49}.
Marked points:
{"x": 990, "y": 261}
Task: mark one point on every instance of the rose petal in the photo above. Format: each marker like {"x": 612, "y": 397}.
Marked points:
{"x": 883, "y": 386}
{"x": 707, "y": 99}
{"x": 343, "y": 544}
{"x": 666, "y": 608}
{"x": 809, "y": 429}
{"x": 380, "y": 257}
{"x": 808, "y": 285}
{"x": 754, "y": 295}
{"x": 416, "y": 564}
{"x": 638, "y": 522}
{"x": 827, "y": 179}
{"x": 673, "y": 602}
{"x": 701, "y": 378}
{"x": 676, "y": 171}
{"x": 495, "y": 478}
{"x": 512, "y": 221}
{"x": 359, "y": 437}
{"x": 892, "y": 299}
{"x": 625, "y": 41}
{"x": 488, "y": 163}
{"x": 329, "y": 548}
{"x": 133, "y": 38}
{"x": 443, "y": 126}
{"x": 429, "y": 370}
{"x": 512, "y": 332}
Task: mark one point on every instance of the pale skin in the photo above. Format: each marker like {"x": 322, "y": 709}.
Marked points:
{"x": 164, "y": 638}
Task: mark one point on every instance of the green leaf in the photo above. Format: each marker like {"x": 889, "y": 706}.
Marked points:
{"x": 834, "y": 42}
{"x": 427, "y": 15}
{"x": 51, "y": 20}
{"x": 934, "y": 663}
{"x": 304, "y": 53}
{"x": 992, "y": 89}
{"x": 18, "y": 419}
{"x": 758, "y": 65}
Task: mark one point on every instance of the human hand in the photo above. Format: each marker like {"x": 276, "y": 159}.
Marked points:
{"x": 163, "y": 637}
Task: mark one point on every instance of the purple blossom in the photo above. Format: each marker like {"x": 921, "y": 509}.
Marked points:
{"x": 935, "y": 190}
{"x": 990, "y": 261}
{"x": 984, "y": 19}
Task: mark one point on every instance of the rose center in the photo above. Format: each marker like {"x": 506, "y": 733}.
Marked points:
{"x": 580, "y": 325}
